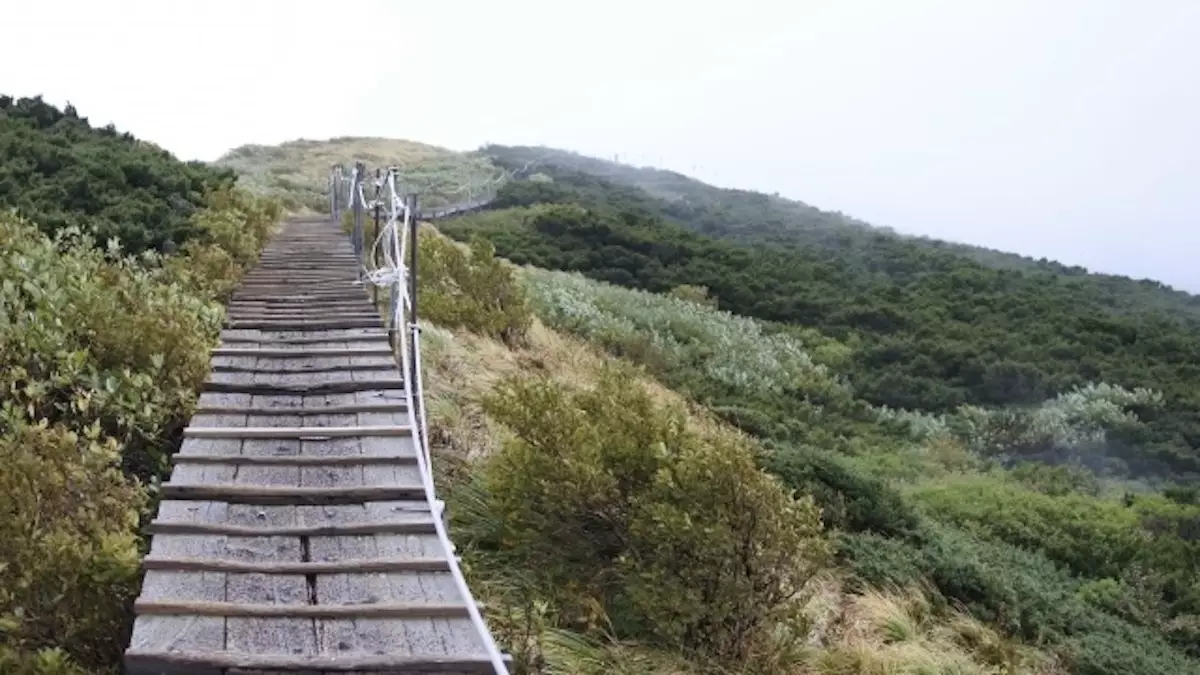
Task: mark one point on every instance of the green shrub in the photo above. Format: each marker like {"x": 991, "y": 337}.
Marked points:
{"x": 475, "y": 290}
{"x": 612, "y": 499}
{"x": 1091, "y": 536}
{"x": 848, "y": 498}
{"x": 68, "y": 546}
{"x": 1022, "y": 592}
{"x": 88, "y": 337}
{"x": 233, "y": 230}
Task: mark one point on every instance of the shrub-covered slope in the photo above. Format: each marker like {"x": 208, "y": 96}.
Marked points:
{"x": 101, "y": 356}
{"x": 926, "y": 330}
{"x": 57, "y": 170}
{"x": 1007, "y": 559}
{"x": 1006, "y": 565}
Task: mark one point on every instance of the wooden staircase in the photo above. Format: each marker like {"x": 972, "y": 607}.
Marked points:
{"x": 295, "y": 534}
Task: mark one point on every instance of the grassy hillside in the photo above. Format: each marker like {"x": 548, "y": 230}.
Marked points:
{"x": 935, "y": 411}
{"x": 926, "y": 330}
{"x": 102, "y": 354}
{"x": 297, "y": 172}
{"x": 1098, "y": 584}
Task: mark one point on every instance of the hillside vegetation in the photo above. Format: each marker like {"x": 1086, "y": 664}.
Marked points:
{"x": 297, "y": 172}
{"x": 57, "y": 171}
{"x": 754, "y": 217}
{"x": 102, "y": 353}
{"x": 926, "y": 330}
{"x": 915, "y": 504}
{"x": 891, "y": 447}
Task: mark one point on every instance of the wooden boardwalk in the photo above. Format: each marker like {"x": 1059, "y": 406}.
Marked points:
{"x": 295, "y": 534}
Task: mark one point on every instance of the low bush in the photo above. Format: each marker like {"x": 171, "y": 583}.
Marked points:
{"x": 88, "y": 337}
{"x": 1023, "y": 593}
{"x": 474, "y": 290}
{"x": 68, "y": 548}
{"x": 627, "y": 515}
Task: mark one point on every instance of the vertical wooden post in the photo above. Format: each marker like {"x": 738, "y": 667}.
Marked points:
{"x": 412, "y": 285}
{"x": 356, "y": 198}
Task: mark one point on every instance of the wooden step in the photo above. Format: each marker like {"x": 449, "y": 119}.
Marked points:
{"x": 296, "y": 432}
{"x": 349, "y": 566}
{"x": 303, "y": 325}
{"x": 308, "y": 339}
{"x": 310, "y": 367}
{"x": 295, "y": 460}
{"x": 349, "y": 409}
{"x": 335, "y": 387}
{"x": 280, "y": 495}
{"x": 147, "y": 662}
{"x": 158, "y": 527}
{"x": 270, "y": 353}
{"x": 391, "y": 610}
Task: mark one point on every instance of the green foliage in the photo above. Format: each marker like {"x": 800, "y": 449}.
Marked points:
{"x": 760, "y": 377}
{"x": 611, "y": 499}
{"x": 474, "y": 290}
{"x": 297, "y": 172}
{"x": 931, "y": 329}
{"x": 849, "y": 500}
{"x": 68, "y": 547}
{"x": 233, "y": 230}
{"x": 1022, "y": 592}
{"x": 719, "y": 357}
{"x": 101, "y": 358}
{"x": 1092, "y": 536}
{"x": 88, "y": 337}
{"x": 58, "y": 171}
{"x": 696, "y": 294}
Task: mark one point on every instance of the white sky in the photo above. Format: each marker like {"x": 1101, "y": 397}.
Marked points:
{"x": 1061, "y": 128}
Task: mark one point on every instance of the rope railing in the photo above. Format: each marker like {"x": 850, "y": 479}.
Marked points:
{"x": 383, "y": 266}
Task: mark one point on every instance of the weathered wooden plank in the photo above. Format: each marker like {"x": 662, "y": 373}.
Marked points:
{"x": 222, "y": 364}
{"x": 295, "y": 432}
{"x": 279, "y": 495}
{"x": 277, "y": 338}
{"x": 298, "y": 460}
{"x": 388, "y": 381}
{"x": 167, "y": 633}
{"x": 317, "y": 352}
{"x": 419, "y": 665}
{"x": 303, "y": 325}
{"x": 344, "y": 409}
{"x": 229, "y": 610}
{"x": 365, "y": 566}
{"x": 414, "y": 526}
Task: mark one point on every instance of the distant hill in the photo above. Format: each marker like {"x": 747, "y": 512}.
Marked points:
{"x": 754, "y": 217}
{"x": 298, "y": 171}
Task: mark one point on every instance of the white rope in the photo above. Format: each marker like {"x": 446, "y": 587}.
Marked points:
{"x": 391, "y": 244}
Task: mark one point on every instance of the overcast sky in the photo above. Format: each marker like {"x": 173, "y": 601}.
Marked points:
{"x": 1061, "y": 128}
